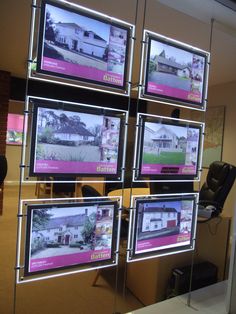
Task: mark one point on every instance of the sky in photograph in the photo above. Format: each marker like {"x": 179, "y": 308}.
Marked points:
{"x": 177, "y": 130}
{"x": 72, "y": 211}
{"x": 90, "y": 120}
{"x": 65, "y": 16}
{"x": 181, "y": 56}
{"x": 174, "y": 204}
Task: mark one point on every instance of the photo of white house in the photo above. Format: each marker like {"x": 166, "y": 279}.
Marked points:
{"x": 81, "y": 40}
{"x": 64, "y": 135}
{"x": 164, "y": 144}
{"x": 158, "y": 219}
{"x": 67, "y": 230}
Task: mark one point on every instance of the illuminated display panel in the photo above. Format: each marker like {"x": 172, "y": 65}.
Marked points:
{"x": 168, "y": 149}
{"x": 71, "y": 140}
{"x": 163, "y": 225}
{"x": 59, "y": 236}
{"x": 175, "y": 72}
{"x": 80, "y": 45}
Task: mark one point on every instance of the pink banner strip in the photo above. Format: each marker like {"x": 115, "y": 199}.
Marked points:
{"x": 158, "y": 243}
{"x": 81, "y": 71}
{"x": 173, "y": 92}
{"x": 56, "y": 166}
{"x": 39, "y": 264}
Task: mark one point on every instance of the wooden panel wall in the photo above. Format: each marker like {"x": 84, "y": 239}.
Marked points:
{"x": 4, "y": 100}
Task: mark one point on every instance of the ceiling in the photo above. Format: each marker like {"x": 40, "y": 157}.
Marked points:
{"x": 205, "y": 10}
{"x": 222, "y": 16}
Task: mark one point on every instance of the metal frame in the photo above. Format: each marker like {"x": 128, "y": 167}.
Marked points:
{"x": 130, "y": 245}
{"x": 137, "y": 147}
{"x": 73, "y": 82}
{"x": 21, "y": 238}
{"x": 143, "y": 69}
{"x": 27, "y": 129}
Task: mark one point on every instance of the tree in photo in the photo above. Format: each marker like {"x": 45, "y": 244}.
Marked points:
{"x": 50, "y": 29}
{"x": 41, "y": 218}
{"x": 88, "y": 231}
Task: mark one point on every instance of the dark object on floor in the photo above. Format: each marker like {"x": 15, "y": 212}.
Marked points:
{"x": 204, "y": 274}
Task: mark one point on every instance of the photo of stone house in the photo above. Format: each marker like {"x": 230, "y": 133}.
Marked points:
{"x": 85, "y": 228}
{"x": 172, "y": 67}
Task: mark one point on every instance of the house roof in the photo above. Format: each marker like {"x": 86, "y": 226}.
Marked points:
{"x": 161, "y": 130}
{"x": 74, "y": 25}
{"x": 69, "y": 221}
{"x": 170, "y": 63}
{"x": 160, "y": 210}
{"x": 78, "y": 129}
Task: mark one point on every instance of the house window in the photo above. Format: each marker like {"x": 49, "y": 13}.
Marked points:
{"x": 76, "y": 228}
{"x": 86, "y": 34}
{"x": 60, "y": 229}
{"x": 147, "y": 227}
{"x": 47, "y": 238}
{"x": 85, "y": 137}
{"x": 75, "y": 236}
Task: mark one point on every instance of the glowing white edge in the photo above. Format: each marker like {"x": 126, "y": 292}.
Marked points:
{"x": 206, "y": 80}
{"x": 177, "y": 42}
{"x": 31, "y": 39}
{"x": 129, "y": 258}
{"x": 131, "y": 57}
{"x": 56, "y": 80}
{"x": 202, "y": 126}
{"x": 77, "y": 85}
{"x": 135, "y": 147}
{"x": 24, "y": 281}
{"x": 19, "y": 239}
{"x": 94, "y": 12}
{"x": 201, "y": 151}
{"x": 159, "y": 255}
{"x": 125, "y": 112}
{"x": 142, "y": 67}
{"x": 173, "y": 103}
{"x": 124, "y": 148}
{"x": 170, "y": 103}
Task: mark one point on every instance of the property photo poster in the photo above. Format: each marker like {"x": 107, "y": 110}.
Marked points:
{"x": 66, "y": 235}
{"x": 163, "y": 225}
{"x": 82, "y": 47}
{"x": 170, "y": 149}
{"x": 74, "y": 142}
{"x": 175, "y": 73}
{"x": 14, "y": 129}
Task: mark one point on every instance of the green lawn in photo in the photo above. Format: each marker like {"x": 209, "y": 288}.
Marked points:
{"x": 176, "y": 158}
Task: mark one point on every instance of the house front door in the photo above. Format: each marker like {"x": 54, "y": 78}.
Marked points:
{"x": 171, "y": 223}
{"x": 74, "y": 44}
{"x": 59, "y": 239}
{"x": 67, "y": 239}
